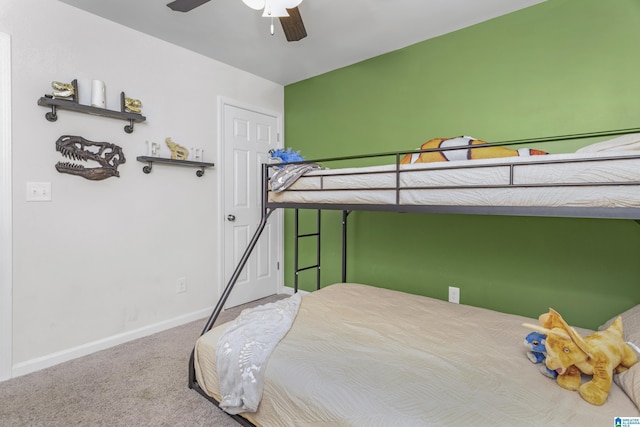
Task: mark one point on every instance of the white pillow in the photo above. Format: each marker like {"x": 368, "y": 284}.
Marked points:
{"x": 629, "y": 380}
{"x": 622, "y": 143}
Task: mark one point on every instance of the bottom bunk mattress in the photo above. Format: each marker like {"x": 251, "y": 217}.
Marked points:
{"x": 358, "y": 355}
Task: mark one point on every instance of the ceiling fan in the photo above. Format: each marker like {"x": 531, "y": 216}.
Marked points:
{"x": 286, "y": 10}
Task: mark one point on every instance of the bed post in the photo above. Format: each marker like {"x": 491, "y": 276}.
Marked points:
{"x": 318, "y": 251}
{"x": 345, "y": 214}
{"x": 295, "y": 250}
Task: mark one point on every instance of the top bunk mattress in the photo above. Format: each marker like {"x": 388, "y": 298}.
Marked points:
{"x": 577, "y": 180}
{"x": 358, "y": 355}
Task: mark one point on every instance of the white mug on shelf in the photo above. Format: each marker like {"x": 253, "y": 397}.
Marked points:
{"x": 98, "y": 94}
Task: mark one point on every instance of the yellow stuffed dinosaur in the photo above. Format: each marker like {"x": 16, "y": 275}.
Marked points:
{"x": 600, "y": 354}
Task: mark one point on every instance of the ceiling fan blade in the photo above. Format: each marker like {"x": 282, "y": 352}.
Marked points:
{"x": 293, "y": 26}
{"x": 185, "y": 5}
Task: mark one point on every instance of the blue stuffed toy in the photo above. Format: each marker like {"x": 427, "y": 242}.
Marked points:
{"x": 538, "y": 352}
{"x": 286, "y": 156}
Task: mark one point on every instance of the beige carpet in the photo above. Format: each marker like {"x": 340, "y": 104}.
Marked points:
{"x": 140, "y": 383}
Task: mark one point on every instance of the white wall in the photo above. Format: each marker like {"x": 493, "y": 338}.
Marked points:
{"x": 98, "y": 264}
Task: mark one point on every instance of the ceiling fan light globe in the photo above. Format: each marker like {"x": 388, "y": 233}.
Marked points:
{"x": 255, "y": 4}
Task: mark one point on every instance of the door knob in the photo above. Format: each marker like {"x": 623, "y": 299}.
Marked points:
{"x": 231, "y": 217}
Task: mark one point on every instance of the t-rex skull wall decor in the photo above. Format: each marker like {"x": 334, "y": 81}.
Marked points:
{"x": 108, "y": 156}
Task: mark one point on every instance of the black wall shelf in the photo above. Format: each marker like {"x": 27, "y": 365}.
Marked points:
{"x": 73, "y": 105}
{"x": 150, "y": 160}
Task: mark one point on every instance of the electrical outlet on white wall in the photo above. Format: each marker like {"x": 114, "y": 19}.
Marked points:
{"x": 181, "y": 285}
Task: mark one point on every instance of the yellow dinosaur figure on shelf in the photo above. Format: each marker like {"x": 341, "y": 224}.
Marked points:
{"x": 178, "y": 152}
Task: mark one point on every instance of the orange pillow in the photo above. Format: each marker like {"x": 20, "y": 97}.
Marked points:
{"x": 466, "y": 153}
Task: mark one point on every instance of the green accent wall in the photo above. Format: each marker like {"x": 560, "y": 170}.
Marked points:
{"x": 560, "y": 67}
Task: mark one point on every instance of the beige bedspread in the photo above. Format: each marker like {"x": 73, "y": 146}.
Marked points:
{"x": 363, "y": 356}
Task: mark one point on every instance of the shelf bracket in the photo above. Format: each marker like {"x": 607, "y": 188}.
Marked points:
{"x": 52, "y": 116}
{"x": 147, "y": 169}
{"x": 129, "y": 128}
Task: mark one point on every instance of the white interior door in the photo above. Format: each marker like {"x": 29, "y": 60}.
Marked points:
{"x": 5, "y": 209}
{"x": 248, "y": 137}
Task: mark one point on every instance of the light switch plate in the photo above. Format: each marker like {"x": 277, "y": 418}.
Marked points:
{"x": 38, "y": 191}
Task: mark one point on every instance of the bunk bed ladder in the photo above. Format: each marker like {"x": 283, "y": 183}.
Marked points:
{"x": 299, "y": 236}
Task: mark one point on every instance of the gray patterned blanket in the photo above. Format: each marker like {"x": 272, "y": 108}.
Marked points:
{"x": 244, "y": 349}
{"x": 288, "y": 174}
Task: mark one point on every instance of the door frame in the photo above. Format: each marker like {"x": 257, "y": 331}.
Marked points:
{"x": 6, "y": 248}
{"x": 277, "y": 217}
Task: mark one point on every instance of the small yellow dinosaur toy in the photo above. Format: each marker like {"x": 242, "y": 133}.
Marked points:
{"x": 178, "y": 152}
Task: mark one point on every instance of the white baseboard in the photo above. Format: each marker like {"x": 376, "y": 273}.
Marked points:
{"x": 52, "y": 359}
{"x": 288, "y": 290}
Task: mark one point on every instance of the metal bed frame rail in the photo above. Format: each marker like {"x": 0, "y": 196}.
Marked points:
{"x": 398, "y": 187}
{"x": 269, "y": 207}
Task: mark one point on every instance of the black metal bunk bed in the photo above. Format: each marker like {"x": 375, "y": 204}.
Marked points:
{"x": 268, "y": 207}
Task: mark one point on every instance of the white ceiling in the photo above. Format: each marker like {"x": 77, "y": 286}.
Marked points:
{"x": 340, "y": 32}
